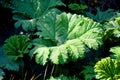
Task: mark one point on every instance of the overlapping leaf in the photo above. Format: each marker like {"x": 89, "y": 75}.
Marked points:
{"x": 70, "y": 35}
{"x": 27, "y": 11}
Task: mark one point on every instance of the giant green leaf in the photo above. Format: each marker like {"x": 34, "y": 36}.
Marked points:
{"x": 70, "y": 35}
{"x": 26, "y": 12}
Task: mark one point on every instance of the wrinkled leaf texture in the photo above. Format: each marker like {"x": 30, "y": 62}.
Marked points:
{"x": 16, "y": 46}
{"x": 67, "y": 36}
{"x": 107, "y": 69}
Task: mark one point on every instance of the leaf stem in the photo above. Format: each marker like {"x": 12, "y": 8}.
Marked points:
{"x": 45, "y": 72}
{"x": 53, "y": 68}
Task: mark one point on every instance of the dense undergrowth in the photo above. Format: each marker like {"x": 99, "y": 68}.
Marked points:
{"x": 60, "y": 40}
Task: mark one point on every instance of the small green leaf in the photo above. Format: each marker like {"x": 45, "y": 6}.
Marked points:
{"x": 88, "y": 72}
{"x": 16, "y": 46}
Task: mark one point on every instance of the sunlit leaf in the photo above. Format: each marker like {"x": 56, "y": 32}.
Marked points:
{"x": 107, "y": 69}
{"x": 69, "y": 35}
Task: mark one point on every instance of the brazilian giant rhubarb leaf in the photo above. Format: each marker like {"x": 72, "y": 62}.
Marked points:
{"x": 68, "y": 37}
{"x": 27, "y": 11}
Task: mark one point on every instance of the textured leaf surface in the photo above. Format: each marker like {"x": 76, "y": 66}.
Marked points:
{"x": 69, "y": 35}
{"x": 26, "y": 12}
{"x": 107, "y": 69}
{"x": 59, "y": 54}
{"x": 16, "y": 46}
{"x": 42, "y": 56}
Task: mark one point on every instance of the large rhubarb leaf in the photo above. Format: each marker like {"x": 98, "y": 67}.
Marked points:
{"x": 27, "y": 11}
{"x": 69, "y": 35}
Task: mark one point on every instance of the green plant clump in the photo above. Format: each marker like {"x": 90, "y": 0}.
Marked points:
{"x": 107, "y": 69}
{"x": 77, "y": 8}
{"x": 16, "y": 46}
